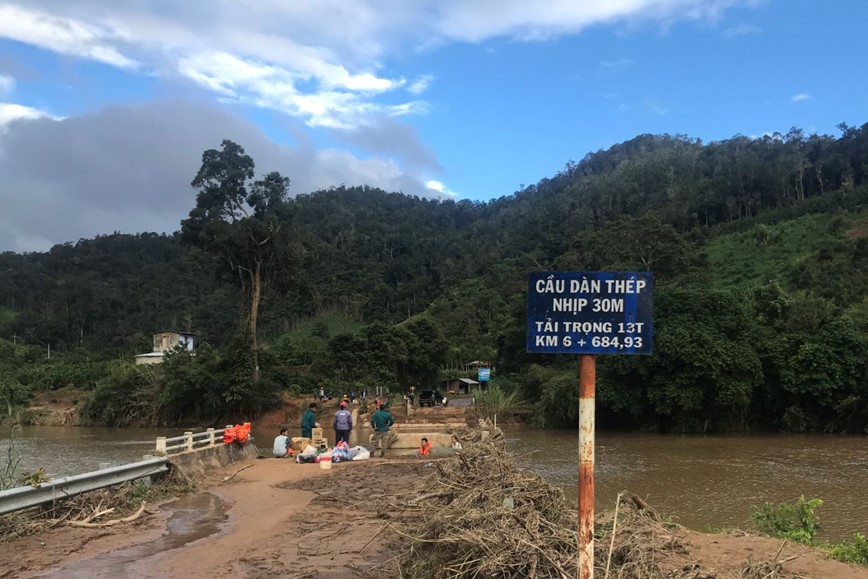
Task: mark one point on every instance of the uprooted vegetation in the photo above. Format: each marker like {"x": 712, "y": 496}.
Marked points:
{"x": 480, "y": 515}
{"x": 102, "y": 508}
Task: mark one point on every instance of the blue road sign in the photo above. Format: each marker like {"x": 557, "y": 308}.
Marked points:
{"x": 484, "y": 374}
{"x": 589, "y": 312}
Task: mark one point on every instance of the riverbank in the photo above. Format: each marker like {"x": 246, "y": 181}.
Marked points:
{"x": 280, "y": 519}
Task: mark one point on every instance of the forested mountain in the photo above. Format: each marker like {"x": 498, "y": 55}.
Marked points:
{"x": 759, "y": 247}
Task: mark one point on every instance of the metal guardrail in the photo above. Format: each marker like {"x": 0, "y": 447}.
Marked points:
{"x": 19, "y": 498}
{"x": 189, "y": 441}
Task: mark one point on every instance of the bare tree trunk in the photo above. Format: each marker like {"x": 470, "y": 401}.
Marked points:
{"x": 818, "y": 168}
{"x": 255, "y": 297}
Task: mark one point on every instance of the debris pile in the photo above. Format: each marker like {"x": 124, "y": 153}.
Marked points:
{"x": 86, "y": 510}
{"x": 481, "y": 515}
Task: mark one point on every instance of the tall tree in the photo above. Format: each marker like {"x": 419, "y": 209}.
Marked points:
{"x": 244, "y": 223}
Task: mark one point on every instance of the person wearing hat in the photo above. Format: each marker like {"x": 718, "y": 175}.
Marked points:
{"x": 343, "y": 424}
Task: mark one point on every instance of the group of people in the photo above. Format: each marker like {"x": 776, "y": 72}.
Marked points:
{"x": 351, "y": 398}
{"x": 381, "y": 421}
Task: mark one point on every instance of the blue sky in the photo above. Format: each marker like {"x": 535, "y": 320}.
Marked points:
{"x": 466, "y": 97}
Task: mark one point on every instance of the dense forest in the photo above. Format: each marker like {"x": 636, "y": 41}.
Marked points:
{"x": 759, "y": 247}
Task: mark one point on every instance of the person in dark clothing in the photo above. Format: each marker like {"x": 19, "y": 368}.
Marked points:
{"x": 308, "y": 421}
{"x": 343, "y": 424}
{"x": 381, "y": 421}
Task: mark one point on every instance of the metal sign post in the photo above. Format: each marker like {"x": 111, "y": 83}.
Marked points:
{"x": 587, "y": 391}
{"x": 588, "y": 313}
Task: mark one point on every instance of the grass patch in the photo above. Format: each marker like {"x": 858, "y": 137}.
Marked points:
{"x": 767, "y": 251}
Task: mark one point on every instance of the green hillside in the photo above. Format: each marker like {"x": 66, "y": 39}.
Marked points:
{"x": 758, "y": 247}
{"x": 790, "y": 251}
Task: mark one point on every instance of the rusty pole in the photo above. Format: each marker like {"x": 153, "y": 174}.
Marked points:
{"x": 587, "y": 388}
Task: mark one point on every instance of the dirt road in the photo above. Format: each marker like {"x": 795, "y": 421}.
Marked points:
{"x": 275, "y": 519}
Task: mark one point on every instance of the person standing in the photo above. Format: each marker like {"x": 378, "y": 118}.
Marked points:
{"x": 381, "y": 421}
{"x": 343, "y": 424}
{"x": 282, "y": 445}
{"x": 308, "y": 421}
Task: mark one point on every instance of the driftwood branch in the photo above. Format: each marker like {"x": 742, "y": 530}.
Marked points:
{"x": 89, "y": 525}
{"x": 226, "y": 478}
{"x": 97, "y": 512}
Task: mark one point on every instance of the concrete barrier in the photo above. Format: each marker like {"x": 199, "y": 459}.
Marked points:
{"x": 198, "y": 461}
{"x": 408, "y": 440}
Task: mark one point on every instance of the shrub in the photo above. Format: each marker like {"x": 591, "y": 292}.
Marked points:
{"x": 9, "y": 463}
{"x": 505, "y": 404}
{"x": 855, "y": 551}
{"x": 797, "y": 521}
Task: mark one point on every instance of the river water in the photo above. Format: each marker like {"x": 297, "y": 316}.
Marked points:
{"x": 703, "y": 481}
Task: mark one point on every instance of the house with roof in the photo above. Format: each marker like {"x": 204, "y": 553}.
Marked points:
{"x": 163, "y": 342}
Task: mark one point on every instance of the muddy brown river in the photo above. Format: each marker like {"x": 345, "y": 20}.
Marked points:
{"x": 703, "y": 481}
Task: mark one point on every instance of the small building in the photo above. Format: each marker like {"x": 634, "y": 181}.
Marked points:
{"x": 461, "y": 385}
{"x": 167, "y": 340}
{"x": 163, "y": 342}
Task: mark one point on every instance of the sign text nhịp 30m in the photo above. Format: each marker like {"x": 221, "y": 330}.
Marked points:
{"x": 589, "y": 312}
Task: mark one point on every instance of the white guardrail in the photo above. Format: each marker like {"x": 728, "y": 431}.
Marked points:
{"x": 189, "y": 441}
{"x": 20, "y": 498}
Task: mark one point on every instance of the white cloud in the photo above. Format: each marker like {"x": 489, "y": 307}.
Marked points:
{"x": 532, "y": 21}
{"x": 301, "y": 57}
{"x": 10, "y": 112}
{"x": 619, "y": 63}
{"x": 421, "y": 84}
{"x": 440, "y": 187}
{"x": 802, "y": 96}
{"x": 7, "y": 84}
{"x": 60, "y": 34}
{"x": 340, "y": 103}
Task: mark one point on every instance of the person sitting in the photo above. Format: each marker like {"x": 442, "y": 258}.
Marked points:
{"x": 424, "y": 448}
{"x": 456, "y": 446}
{"x": 282, "y": 445}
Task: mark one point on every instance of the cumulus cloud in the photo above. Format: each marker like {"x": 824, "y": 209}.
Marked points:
{"x": 10, "y": 112}
{"x": 78, "y": 177}
{"x": 301, "y": 57}
{"x": 802, "y": 96}
{"x": 440, "y": 187}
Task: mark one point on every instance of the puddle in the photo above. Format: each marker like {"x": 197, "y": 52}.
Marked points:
{"x": 193, "y": 517}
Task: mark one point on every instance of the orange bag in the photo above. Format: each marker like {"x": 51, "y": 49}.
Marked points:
{"x": 228, "y": 435}
{"x": 242, "y": 433}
